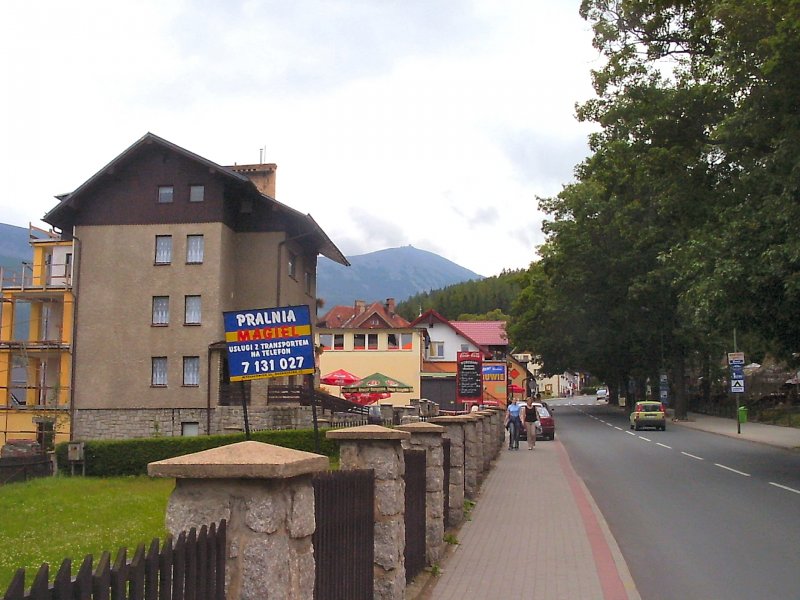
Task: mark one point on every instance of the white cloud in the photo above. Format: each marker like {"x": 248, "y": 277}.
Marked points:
{"x": 432, "y": 123}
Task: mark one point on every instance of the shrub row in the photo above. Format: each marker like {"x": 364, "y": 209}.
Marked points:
{"x": 108, "y": 458}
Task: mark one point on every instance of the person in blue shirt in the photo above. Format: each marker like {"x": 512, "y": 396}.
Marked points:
{"x": 513, "y": 424}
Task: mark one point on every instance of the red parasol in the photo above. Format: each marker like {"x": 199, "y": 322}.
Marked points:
{"x": 339, "y": 377}
{"x": 365, "y": 398}
{"x": 516, "y": 389}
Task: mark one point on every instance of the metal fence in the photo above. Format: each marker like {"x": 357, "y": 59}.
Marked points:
{"x": 344, "y": 538}
{"x": 194, "y": 567}
{"x": 415, "y": 512}
{"x": 22, "y": 468}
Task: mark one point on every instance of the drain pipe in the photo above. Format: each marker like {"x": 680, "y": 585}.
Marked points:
{"x": 76, "y": 269}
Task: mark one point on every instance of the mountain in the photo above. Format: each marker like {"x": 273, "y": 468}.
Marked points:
{"x": 14, "y": 246}
{"x": 391, "y": 273}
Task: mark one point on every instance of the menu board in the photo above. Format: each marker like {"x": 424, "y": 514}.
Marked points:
{"x": 469, "y": 376}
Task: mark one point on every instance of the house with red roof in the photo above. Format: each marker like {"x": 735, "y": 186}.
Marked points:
{"x": 368, "y": 338}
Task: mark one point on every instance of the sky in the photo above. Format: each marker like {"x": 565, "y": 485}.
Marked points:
{"x": 433, "y": 123}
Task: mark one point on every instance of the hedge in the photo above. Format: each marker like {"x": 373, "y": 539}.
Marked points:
{"x": 108, "y": 458}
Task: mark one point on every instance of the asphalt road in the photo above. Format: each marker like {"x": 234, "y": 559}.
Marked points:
{"x": 696, "y": 515}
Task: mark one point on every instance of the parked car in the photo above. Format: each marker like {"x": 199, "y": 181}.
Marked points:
{"x": 547, "y": 422}
{"x": 649, "y": 414}
{"x": 601, "y": 393}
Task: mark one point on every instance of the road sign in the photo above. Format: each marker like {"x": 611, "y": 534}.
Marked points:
{"x": 269, "y": 342}
{"x": 737, "y": 386}
{"x": 735, "y": 358}
{"x": 737, "y": 372}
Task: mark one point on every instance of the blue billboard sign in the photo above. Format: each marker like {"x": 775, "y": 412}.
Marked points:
{"x": 269, "y": 342}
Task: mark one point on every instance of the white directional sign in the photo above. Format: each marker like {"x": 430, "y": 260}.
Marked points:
{"x": 735, "y": 358}
{"x": 737, "y": 386}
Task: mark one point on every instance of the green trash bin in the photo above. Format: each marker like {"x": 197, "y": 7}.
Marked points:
{"x": 742, "y": 414}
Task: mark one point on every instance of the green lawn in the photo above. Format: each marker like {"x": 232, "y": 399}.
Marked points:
{"x": 52, "y": 518}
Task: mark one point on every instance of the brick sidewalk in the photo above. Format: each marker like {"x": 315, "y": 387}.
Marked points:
{"x": 556, "y": 546}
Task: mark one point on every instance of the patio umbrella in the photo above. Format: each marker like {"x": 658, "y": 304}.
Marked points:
{"x": 365, "y": 398}
{"x": 378, "y": 382}
{"x": 339, "y": 378}
{"x": 516, "y": 389}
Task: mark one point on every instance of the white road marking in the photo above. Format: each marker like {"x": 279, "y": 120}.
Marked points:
{"x": 783, "y": 487}
{"x": 615, "y": 427}
{"x": 645, "y": 439}
{"x": 630, "y": 433}
{"x": 692, "y": 456}
{"x": 663, "y": 445}
{"x": 731, "y": 470}
{"x": 609, "y": 424}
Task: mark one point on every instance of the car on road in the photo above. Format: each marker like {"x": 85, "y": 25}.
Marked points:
{"x": 649, "y": 414}
{"x": 601, "y": 393}
{"x": 546, "y": 420}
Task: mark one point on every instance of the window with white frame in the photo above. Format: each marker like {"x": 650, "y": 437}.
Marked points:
{"x": 406, "y": 341}
{"x": 190, "y": 428}
{"x": 165, "y": 194}
{"x": 197, "y": 193}
{"x": 309, "y": 282}
{"x": 372, "y": 341}
{"x": 159, "y": 371}
{"x": 163, "y": 249}
{"x": 292, "y": 265}
{"x": 359, "y": 341}
{"x": 391, "y": 341}
{"x": 195, "y": 248}
{"x": 436, "y": 350}
{"x": 160, "y": 310}
{"x": 191, "y": 371}
{"x": 338, "y": 341}
{"x": 326, "y": 340}
{"x": 192, "y": 310}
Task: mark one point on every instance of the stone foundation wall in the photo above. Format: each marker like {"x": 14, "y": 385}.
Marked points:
{"x": 128, "y": 423}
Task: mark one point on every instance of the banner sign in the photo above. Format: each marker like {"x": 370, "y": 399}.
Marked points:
{"x": 469, "y": 379}
{"x": 494, "y": 372}
{"x": 269, "y": 342}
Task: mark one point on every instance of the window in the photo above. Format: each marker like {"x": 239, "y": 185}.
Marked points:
{"x": 359, "y": 341}
{"x": 326, "y": 340}
{"x": 406, "y": 341}
{"x": 338, "y": 341}
{"x": 309, "y": 282}
{"x": 465, "y": 347}
{"x": 190, "y": 429}
{"x": 195, "y": 247}
{"x": 163, "y": 249}
{"x": 292, "y": 265}
{"x": 192, "y": 310}
{"x": 391, "y": 342}
{"x": 165, "y": 194}
{"x": 159, "y": 372}
{"x": 436, "y": 350}
{"x": 197, "y": 193}
{"x": 191, "y": 370}
{"x": 372, "y": 341}
{"x": 160, "y": 310}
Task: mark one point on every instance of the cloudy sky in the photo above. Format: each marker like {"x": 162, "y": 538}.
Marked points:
{"x": 434, "y": 123}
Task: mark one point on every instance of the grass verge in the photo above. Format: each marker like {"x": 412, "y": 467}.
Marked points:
{"x": 52, "y": 518}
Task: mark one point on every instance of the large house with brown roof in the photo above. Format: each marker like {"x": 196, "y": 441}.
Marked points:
{"x": 164, "y": 241}
{"x": 367, "y": 338}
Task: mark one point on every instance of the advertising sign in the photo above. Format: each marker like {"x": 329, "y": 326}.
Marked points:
{"x": 469, "y": 376}
{"x": 735, "y": 358}
{"x": 269, "y": 342}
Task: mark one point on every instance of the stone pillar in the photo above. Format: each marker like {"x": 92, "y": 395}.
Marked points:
{"x": 488, "y": 439}
{"x": 471, "y": 458}
{"x": 454, "y": 429}
{"x": 265, "y": 493}
{"x": 428, "y": 437}
{"x": 379, "y": 448}
{"x": 479, "y": 452}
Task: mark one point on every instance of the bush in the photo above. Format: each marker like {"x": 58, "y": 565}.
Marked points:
{"x": 109, "y": 458}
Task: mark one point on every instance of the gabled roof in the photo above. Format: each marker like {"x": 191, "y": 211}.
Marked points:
{"x": 486, "y": 333}
{"x": 354, "y": 317}
{"x": 430, "y": 316}
{"x": 70, "y": 202}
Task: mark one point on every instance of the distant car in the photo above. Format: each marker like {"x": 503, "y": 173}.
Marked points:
{"x": 601, "y": 393}
{"x": 649, "y": 414}
{"x": 546, "y": 420}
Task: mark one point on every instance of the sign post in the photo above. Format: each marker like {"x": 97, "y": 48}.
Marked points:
{"x": 736, "y": 364}
{"x": 268, "y": 342}
{"x": 469, "y": 377}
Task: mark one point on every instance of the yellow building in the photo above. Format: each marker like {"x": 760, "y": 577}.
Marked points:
{"x": 365, "y": 339}
{"x": 36, "y": 331}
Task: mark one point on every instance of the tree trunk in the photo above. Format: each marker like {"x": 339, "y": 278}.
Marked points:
{"x": 679, "y": 386}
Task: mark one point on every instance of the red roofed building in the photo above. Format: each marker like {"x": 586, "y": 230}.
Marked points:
{"x": 490, "y": 334}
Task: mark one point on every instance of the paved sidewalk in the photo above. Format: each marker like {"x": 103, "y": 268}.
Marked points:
{"x": 773, "y": 435}
{"x": 535, "y": 533}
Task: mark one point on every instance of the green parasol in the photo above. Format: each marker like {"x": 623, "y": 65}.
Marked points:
{"x": 377, "y": 382}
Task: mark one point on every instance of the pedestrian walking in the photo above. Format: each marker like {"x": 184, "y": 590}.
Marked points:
{"x": 530, "y": 416}
{"x": 513, "y": 424}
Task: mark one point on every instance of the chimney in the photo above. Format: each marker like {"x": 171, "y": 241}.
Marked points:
{"x": 390, "y": 305}
{"x": 263, "y": 176}
{"x": 361, "y": 307}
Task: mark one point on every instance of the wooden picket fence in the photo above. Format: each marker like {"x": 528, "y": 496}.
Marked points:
{"x": 193, "y": 568}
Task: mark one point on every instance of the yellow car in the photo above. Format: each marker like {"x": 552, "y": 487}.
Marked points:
{"x": 649, "y": 414}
